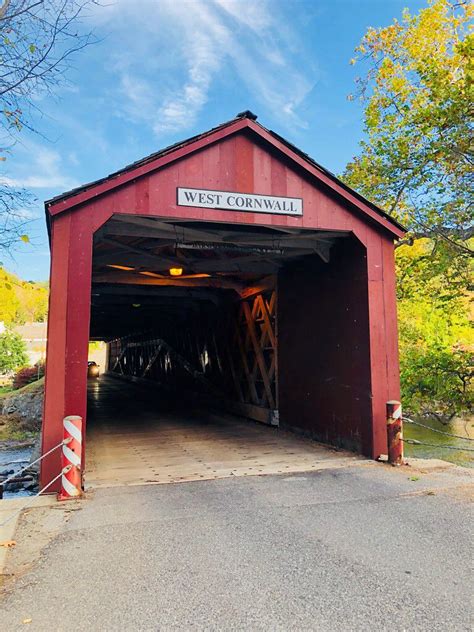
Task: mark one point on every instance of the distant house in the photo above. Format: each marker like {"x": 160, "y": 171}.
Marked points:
{"x": 35, "y": 337}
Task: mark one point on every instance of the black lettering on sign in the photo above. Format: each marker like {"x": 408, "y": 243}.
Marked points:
{"x": 239, "y": 201}
{"x": 190, "y": 197}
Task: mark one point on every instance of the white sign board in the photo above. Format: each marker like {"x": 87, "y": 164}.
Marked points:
{"x": 232, "y": 201}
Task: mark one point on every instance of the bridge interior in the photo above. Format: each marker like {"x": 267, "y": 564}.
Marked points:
{"x": 138, "y": 435}
{"x": 225, "y": 325}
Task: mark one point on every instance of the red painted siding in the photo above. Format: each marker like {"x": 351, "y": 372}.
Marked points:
{"x": 244, "y": 163}
{"x": 324, "y": 354}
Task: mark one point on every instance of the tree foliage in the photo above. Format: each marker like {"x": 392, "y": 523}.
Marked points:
{"x": 37, "y": 40}
{"x": 12, "y": 352}
{"x": 21, "y": 301}
{"x": 436, "y": 336}
{"x": 417, "y": 162}
{"x": 418, "y": 92}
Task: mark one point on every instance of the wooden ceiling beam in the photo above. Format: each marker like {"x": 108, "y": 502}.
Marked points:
{"x": 142, "y": 264}
{"x": 179, "y": 303}
{"x": 131, "y": 230}
{"x": 168, "y": 229}
{"x": 201, "y": 294}
{"x": 145, "y": 254}
{"x": 130, "y": 278}
{"x": 249, "y": 263}
{"x": 286, "y": 239}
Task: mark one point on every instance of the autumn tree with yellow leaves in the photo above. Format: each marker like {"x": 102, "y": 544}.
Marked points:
{"x": 21, "y": 301}
{"x": 416, "y": 161}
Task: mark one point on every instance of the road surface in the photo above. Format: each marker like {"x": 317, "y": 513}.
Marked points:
{"x": 362, "y": 548}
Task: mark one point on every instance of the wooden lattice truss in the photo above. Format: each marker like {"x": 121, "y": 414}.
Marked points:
{"x": 253, "y": 355}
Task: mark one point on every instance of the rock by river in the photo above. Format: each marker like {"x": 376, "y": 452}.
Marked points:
{"x": 20, "y": 425}
{"x": 24, "y": 408}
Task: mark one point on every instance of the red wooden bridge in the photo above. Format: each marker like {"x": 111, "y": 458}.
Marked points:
{"x": 230, "y": 271}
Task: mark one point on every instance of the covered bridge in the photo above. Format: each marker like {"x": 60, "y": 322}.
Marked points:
{"x": 228, "y": 271}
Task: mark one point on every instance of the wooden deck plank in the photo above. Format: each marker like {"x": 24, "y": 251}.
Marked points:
{"x": 156, "y": 447}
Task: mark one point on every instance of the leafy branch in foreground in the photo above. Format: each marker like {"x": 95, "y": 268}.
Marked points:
{"x": 417, "y": 160}
{"x": 37, "y": 41}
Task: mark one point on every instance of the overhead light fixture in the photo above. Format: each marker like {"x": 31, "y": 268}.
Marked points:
{"x": 176, "y": 271}
{"x": 136, "y": 304}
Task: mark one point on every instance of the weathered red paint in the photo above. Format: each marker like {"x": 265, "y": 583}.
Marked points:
{"x": 240, "y": 156}
{"x": 324, "y": 349}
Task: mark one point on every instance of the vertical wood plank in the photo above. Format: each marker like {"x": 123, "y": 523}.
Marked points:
{"x": 391, "y": 325}
{"x": 378, "y": 351}
{"x": 53, "y": 411}
{"x": 78, "y": 321}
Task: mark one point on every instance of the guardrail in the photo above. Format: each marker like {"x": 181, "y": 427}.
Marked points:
{"x": 71, "y": 470}
{"x": 395, "y": 439}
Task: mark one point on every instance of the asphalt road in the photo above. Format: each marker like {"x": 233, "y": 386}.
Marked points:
{"x": 364, "y": 548}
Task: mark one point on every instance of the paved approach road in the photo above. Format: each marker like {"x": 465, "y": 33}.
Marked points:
{"x": 362, "y": 548}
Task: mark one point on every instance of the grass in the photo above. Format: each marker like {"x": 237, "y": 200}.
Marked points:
{"x": 9, "y": 430}
{"x": 29, "y": 388}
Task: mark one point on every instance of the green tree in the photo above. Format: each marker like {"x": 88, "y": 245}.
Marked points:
{"x": 12, "y": 352}
{"x": 418, "y": 92}
{"x": 416, "y": 162}
{"x": 436, "y": 336}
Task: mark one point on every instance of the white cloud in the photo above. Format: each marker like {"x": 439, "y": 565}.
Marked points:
{"x": 173, "y": 52}
{"x": 254, "y": 15}
{"x": 44, "y": 170}
{"x": 180, "y": 108}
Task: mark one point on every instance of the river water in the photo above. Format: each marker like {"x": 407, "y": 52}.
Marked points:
{"x": 439, "y": 446}
{"x": 15, "y": 458}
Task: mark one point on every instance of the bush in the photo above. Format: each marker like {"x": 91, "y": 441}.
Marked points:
{"x": 12, "y": 352}
{"x": 437, "y": 380}
{"x": 28, "y": 374}
{"x": 436, "y": 355}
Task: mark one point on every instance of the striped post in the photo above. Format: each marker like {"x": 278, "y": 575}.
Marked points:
{"x": 394, "y": 432}
{"x": 71, "y": 479}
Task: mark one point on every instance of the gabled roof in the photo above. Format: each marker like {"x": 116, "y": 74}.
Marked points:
{"x": 244, "y": 120}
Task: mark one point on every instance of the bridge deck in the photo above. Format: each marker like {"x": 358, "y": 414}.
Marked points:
{"x": 137, "y": 437}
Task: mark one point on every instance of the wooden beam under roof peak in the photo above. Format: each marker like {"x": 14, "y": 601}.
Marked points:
{"x": 167, "y": 229}
{"x": 142, "y": 252}
{"x": 135, "y": 278}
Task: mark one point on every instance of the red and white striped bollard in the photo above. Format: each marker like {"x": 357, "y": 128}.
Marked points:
{"x": 394, "y": 432}
{"x": 71, "y": 458}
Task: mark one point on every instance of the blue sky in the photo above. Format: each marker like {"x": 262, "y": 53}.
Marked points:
{"x": 164, "y": 70}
